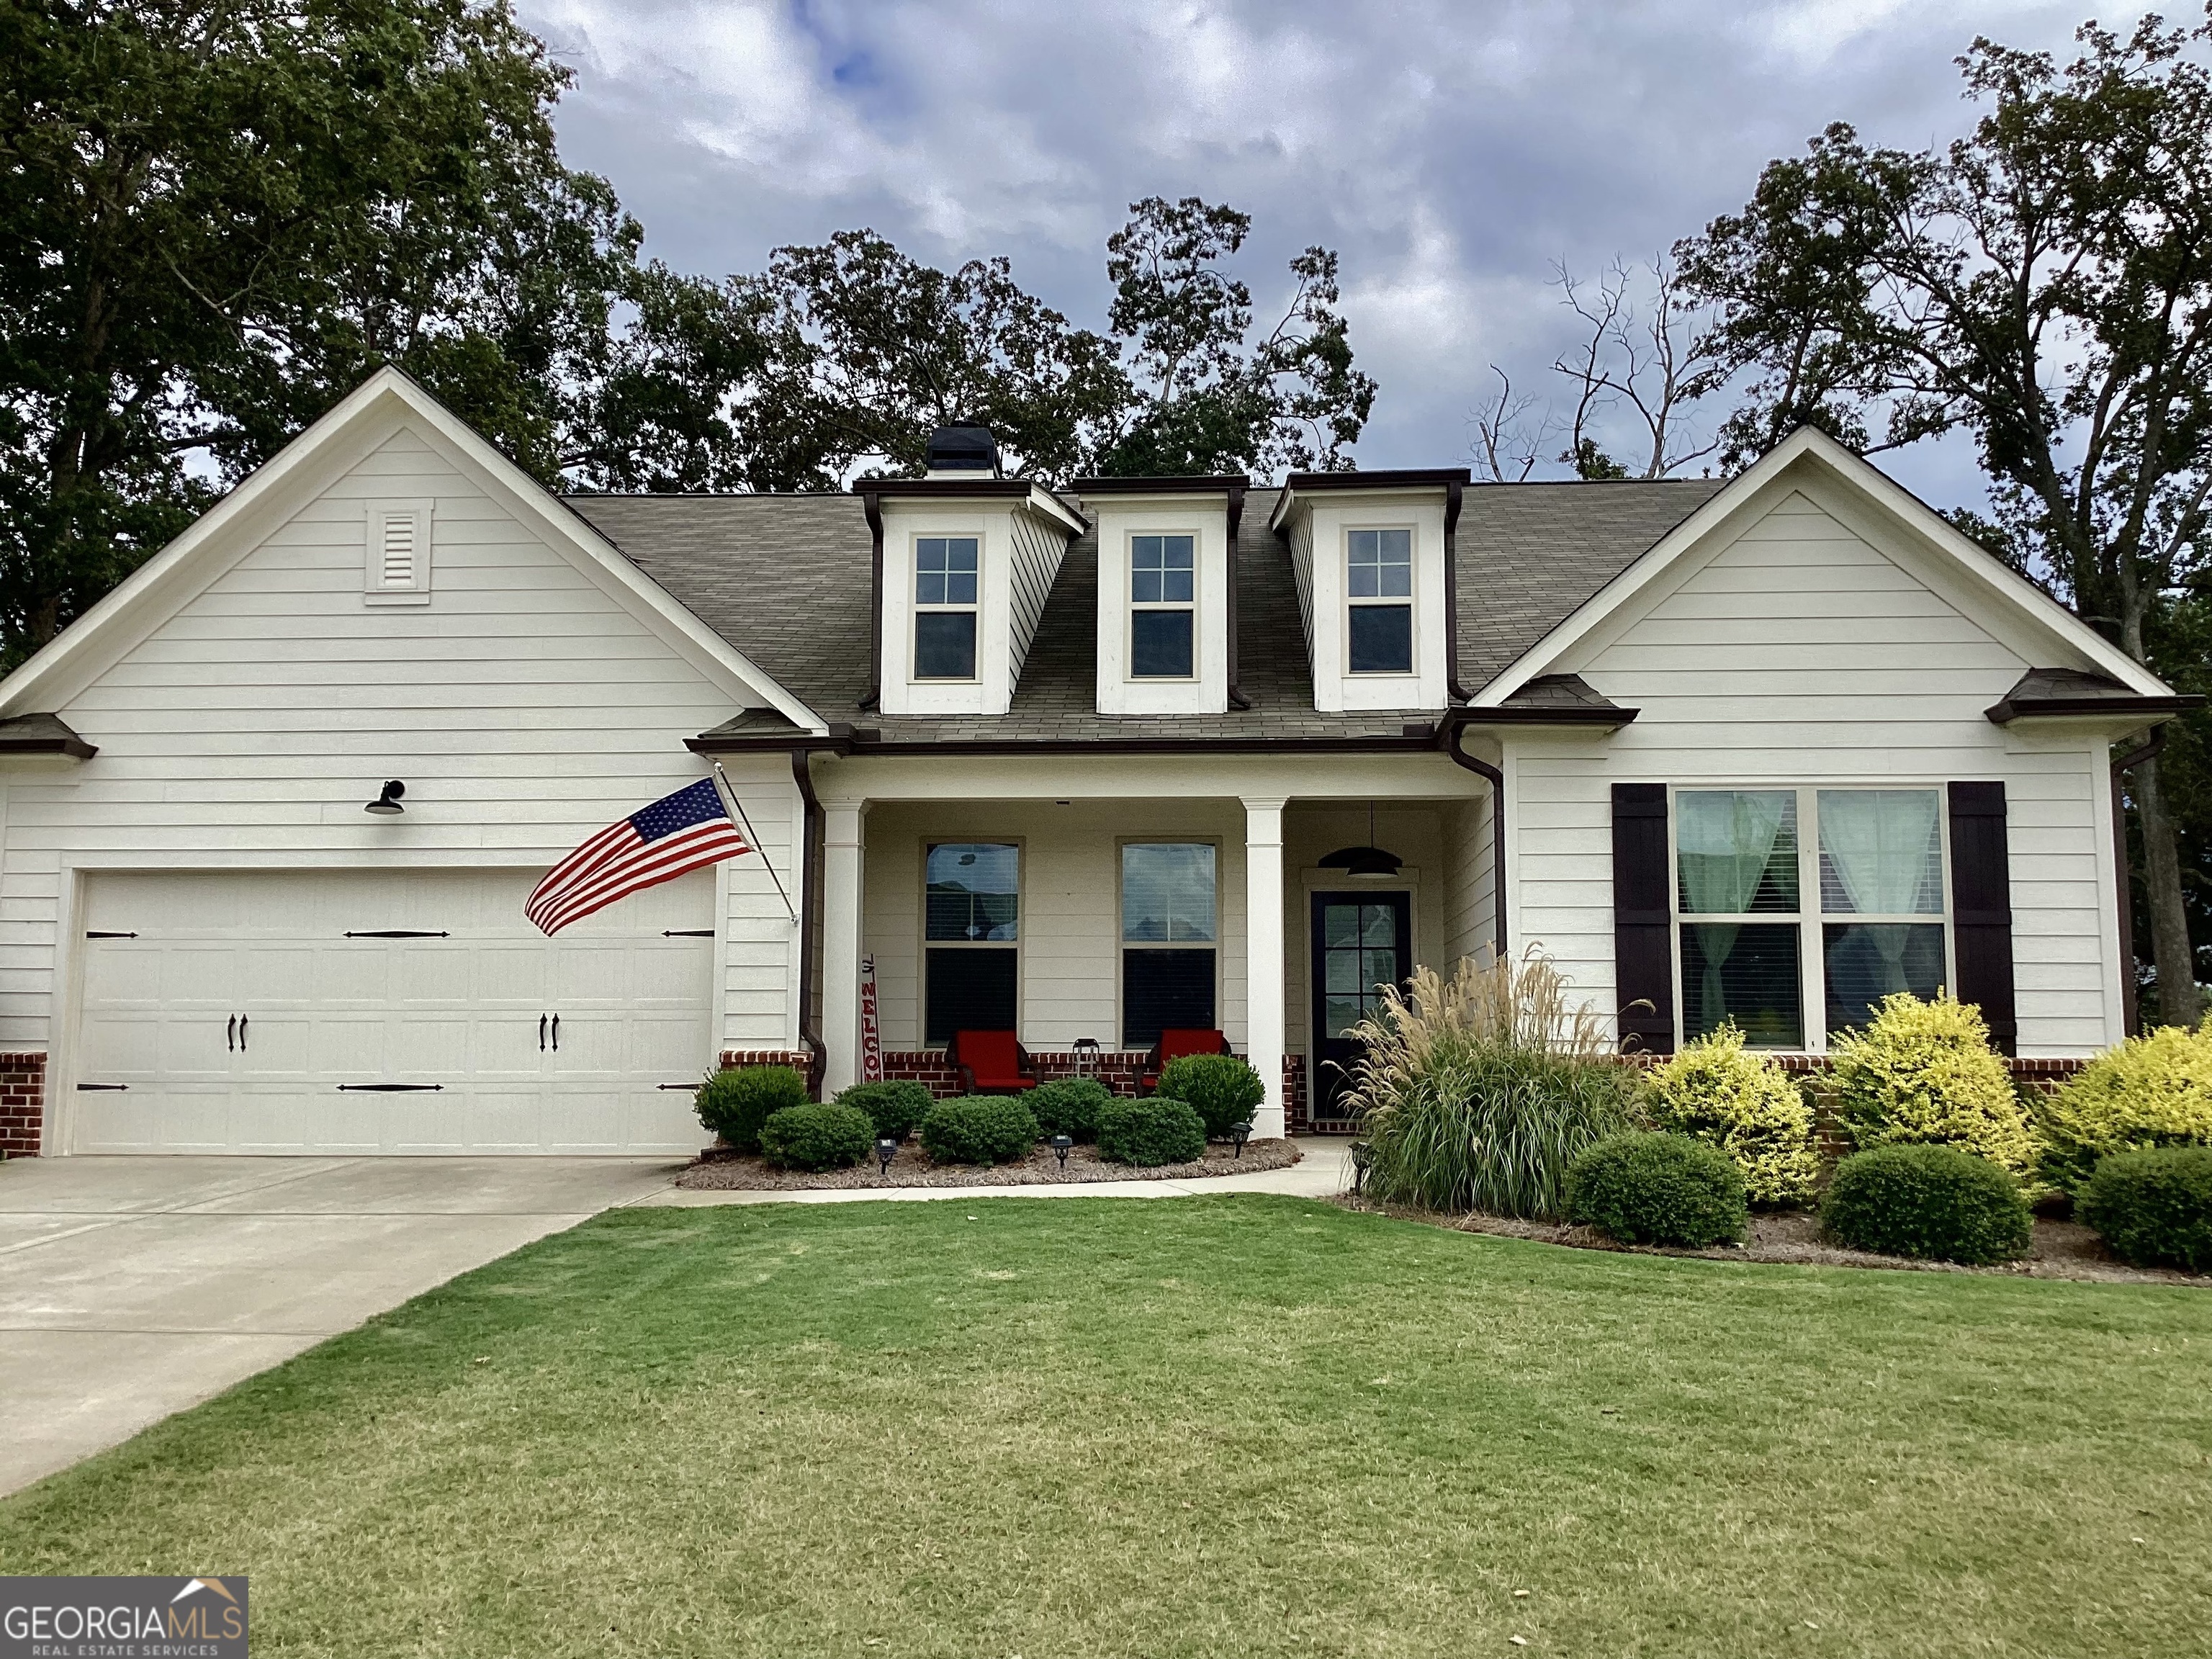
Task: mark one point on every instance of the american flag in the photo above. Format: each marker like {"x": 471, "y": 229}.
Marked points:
{"x": 677, "y": 833}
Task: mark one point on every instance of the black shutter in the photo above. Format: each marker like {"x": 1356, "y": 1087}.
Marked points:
{"x": 1981, "y": 908}
{"x": 1643, "y": 925}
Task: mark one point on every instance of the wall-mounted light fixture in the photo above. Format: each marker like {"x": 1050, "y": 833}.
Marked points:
{"x": 387, "y": 803}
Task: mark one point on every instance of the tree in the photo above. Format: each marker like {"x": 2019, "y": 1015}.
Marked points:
{"x": 219, "y": 215}
{"x": 876, "y": 349}
{"x": 2045, "y": 284}
{"x": 1208, "y": 397}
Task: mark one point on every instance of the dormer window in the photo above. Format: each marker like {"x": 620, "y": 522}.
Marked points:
{"x": 1378, "y": 589}
{"x": 1162, "y": 600}
{"x": 944, "y": 593}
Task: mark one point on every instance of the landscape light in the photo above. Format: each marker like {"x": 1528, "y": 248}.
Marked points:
{"x": 886, "y": 1150}
{"x": 1239, "y": 1134}
{"x": 1062, "y": 1145}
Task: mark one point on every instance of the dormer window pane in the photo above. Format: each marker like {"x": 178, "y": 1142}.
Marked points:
{"x": 1162, "y": 569}
{"x": 944, "y": 570}
{"x": 1160, "y": 644}
{"x": 1380, "y": 564}
{"x": 945, "y": 645}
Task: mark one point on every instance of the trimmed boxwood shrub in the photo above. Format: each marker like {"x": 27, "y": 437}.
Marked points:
{"x": 1941, "y": 1202}
{"x": 2152, "y": 1090}
{"x": 1745, "y": 1105}
{"x": 2154, "y": 1208}
{"x": 979, "y": 1129}
{"x": 1153, "y": 1132}
{"x": 1222, "y": 1089}
{"x": 1069, "y": 1106}
{"x": 1924, "y": 1072}
{"x": 737, "y": 1100}
{"x": 894, "y": 1109}
{"x": 820, "y": 1135}
{"x": 1644, "y": 1189}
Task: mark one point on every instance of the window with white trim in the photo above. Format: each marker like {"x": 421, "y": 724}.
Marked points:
{"x": 945, "y": 577}
{"x": 1169, "y": 929}
{"x": 1378, "y": 587}
{"x": 971, "y": 924}
{"x": 1857, "y": 909}
{"x": 1163, "y": 607}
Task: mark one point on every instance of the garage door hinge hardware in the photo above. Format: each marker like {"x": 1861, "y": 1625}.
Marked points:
{"x": 103, "y": 1088}
{"x": 95, "y": 932}
{"x": 686, "y": 932}
{"x": 388, "y": 1088}
{"x": 690, "y": 1086}
{"x": 396, "y": 933}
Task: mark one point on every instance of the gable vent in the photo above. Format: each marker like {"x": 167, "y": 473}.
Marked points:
{"x": 396, "y": 567}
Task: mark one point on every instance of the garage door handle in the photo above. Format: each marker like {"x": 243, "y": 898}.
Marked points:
{"x": 388, "y": 1088}
{"x": 241, "y": 1033}
{"x": 541, "y": 1034}
{"x": 556, "y": 1034}
{"x": 230, "y": 1034}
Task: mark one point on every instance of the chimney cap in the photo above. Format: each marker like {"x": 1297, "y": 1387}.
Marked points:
{"x": 961, "y": 449}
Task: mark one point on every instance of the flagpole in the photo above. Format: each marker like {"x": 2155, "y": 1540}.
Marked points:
{"x": 729, "y": 793}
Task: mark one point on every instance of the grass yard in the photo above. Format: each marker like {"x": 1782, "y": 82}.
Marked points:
{"x": 1211, "y": 1426}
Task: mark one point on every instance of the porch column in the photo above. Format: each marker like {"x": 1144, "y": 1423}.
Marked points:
{"x": 843, "y": 845}
{"x": 1263, "y": 956}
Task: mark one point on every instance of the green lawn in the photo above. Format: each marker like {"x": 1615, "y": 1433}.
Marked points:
{"x": 1221, "y": 1425}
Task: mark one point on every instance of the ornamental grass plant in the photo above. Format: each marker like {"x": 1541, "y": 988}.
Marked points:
{"x": 1477, "y": 1091}
{"x": 1716, "y": 1091}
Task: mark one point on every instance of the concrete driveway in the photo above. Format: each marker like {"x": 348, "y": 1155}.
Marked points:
{"x": 133, "y": 1287}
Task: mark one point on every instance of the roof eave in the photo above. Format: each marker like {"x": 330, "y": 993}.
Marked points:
{"x": 2122, "y": 711}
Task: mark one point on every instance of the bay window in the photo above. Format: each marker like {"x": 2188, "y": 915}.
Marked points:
{"x": 1776, "y": 889}
{"x": 1169, "y": 932}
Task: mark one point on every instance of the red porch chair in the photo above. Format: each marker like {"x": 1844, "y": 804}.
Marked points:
{"x": 1174, "y": 1045}
{"x": 991, "y": 1063}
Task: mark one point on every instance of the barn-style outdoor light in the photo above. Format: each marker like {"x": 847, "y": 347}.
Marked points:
{"x": 1062, "y": 1146}
{"x": 1367, "y": 863}
{"x": 1362, "y": 1156}
{"x": 886, "y": 1150}
{"x": 387, "y": 804}
{"x": 1239, "y": 1134}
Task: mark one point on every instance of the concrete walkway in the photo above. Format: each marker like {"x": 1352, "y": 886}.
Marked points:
{"x": 1324, "y": 1170}
{"x": 133, "y": 1287}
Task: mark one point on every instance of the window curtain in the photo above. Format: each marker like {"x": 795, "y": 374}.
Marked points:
{"x": 1725, "y": 839}
{"x": 1881, "y": 844}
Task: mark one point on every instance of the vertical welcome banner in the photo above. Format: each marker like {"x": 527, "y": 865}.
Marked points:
{"x": 872, "y": 1047}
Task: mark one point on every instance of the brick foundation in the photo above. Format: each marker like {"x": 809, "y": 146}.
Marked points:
{"x": 1119, "y": 1069}
{"x": 22, "y": 1103}
{"x": 1296, "y": 1118}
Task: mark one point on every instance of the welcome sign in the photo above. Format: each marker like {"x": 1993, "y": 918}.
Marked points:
{"x": 123, "y": 1618}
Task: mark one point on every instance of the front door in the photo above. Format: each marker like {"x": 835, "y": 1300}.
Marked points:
{"x": 1361, "y": 943}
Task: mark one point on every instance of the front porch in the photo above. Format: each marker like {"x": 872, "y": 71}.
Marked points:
{"x": 1087, "y": 922}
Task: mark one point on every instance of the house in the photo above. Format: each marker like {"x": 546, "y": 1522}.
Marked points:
{"x": 1086, "y": 764}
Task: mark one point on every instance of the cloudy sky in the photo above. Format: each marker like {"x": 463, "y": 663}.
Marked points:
{"x": 1451, "y": 154}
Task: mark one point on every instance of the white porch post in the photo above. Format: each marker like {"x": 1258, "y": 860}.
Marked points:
{"x": 1263, "y": 956}
{"x": 843, "y": 847}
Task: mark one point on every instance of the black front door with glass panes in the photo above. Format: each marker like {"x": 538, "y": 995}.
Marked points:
{"x": 1361, "y": 943}
{"x": 971, "y": 922}
{"x": 1853, "y": 902}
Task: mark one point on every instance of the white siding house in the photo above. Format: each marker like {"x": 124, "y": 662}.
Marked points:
{"x": 206, "y": 942}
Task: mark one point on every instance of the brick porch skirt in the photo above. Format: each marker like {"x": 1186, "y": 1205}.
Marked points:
{"x": 22, "y": 1103}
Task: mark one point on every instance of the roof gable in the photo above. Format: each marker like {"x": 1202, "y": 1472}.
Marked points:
{"x": 367, "y": 417}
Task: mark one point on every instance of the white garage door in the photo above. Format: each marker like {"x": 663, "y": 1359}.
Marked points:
{"x": 376, "y": 1012}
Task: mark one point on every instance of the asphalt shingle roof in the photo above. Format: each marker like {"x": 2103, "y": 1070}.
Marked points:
{"x": 784, "y": 580}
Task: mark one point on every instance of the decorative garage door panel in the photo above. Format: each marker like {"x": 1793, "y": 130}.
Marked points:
{"x": 375, "y": 1011}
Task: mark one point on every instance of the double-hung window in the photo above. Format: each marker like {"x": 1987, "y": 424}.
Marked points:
{"x": 1774, "y": 889}
{"x": 1378, "y": 587}
{"x": 971, "y": 924}
{"x": 945, "y": 578}
{"x": 1162, "y": 601}
{"x": 1169, "y": 929}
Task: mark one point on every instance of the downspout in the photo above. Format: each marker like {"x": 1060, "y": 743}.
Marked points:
{"x": 1236, "y": 698}
{"x": 872, "y": 505}
{"x": 1448, "y": 733}
{"x": 1454, "y": 492}
{"x": 2128, "y": 762}
{"x": 810, "y": 920}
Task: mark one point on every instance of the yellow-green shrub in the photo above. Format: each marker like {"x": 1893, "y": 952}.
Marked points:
{"x": 1924, "y": 1072}
{"x": 1745, "y": 1105}
{"x": 2154, "y": 1091}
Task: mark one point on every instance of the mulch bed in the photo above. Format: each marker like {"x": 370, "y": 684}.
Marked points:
{"x": 2058, "y": 1250}
{"x": 913, "y": 1168}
